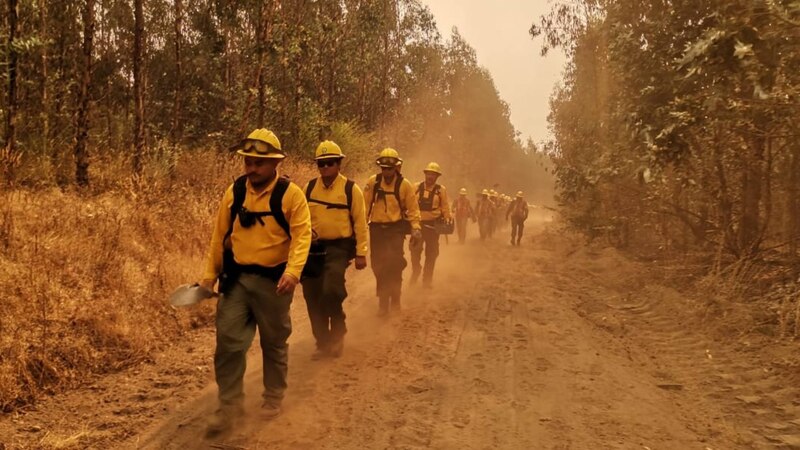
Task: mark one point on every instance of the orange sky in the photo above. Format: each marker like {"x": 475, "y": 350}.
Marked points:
{"x": 498, "y": 31}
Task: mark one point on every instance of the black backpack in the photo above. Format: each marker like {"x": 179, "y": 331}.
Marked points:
{"x": 231, "y": 269}
{"x": 377, "y": 187}
{"x": 275, "y": 205}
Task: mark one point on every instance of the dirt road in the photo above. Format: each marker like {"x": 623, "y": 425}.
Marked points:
{"x": 548, "y": 346}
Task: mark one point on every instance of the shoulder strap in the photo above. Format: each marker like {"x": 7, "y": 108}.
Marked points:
{"x": 239, "y": 193}
{"x": 348, "y": 192}
{"x": 375, "y": 187}
{"x": 276, "y": 204}
{"x": 310, "y": 188}
{"x": 397, "y": 192}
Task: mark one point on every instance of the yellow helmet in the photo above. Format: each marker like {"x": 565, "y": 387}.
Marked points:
{"x": 328, "y": 150}
{"x": 433, "y": 167}
{"x": 462, "y": 191}
{"x": 261, "y": 143}
{"x": 492, "y": 192}
{"x": 519, "y": 194}
{"x": 485, "y": 192}
{"x": 388, "y": 158}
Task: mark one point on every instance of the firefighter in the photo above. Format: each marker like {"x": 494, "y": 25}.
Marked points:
{"x": 484, "y": 211}
{"x": 462, "y": 209}
{"x": 518, "y": 212}
{"x": 259, "y": 246}
{"x": 434, "y": 207}
{"x": 338, "y": 220}
{"x": 392, "y": 212}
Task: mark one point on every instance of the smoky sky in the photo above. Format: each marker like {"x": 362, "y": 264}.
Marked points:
{"x": 498, "y": 31}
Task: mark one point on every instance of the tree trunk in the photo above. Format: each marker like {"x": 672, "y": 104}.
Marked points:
{"x": 752, "y": 178}
{"x": 138, "y": 88}
{"x": 793, "y": 202}
{"x": 45, "y": 94}
{"x": 177, "y": 124}
{"x": 82, "y": 126}
{"x": 262, "y": 41}
{"x": 10, "y": 153}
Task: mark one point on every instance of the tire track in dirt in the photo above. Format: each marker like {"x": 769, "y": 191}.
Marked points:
{"x": 762, "y": 402}
{"x": 736, "y": 392}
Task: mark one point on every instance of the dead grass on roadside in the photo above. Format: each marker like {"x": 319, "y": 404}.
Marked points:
{"x": 86, "y": 274}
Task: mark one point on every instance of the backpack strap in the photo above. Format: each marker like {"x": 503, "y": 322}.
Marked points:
{"x": 427, "y": 204}
{"x": 239, "y": 192}
{"x": 310, "y": 188}
{"x": 276, "y": 204}
{"x": 378, "y": 181}
{"x": 348, "y": 191}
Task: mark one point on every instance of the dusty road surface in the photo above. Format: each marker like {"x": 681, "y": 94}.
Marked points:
{"x": 551, "y": 345}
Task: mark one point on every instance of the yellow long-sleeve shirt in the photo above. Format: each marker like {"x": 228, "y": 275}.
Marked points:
{"x": 333, "y": 223}
{"x": 440, "y": 204}
{"x": 265, "y": 245}
{"x": 390, "y": 208}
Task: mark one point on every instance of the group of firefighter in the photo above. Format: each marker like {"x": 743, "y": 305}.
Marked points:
{"x": 270, "y": 235}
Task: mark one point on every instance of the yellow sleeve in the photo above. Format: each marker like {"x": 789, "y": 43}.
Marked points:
{"x": 410, "y": 202}
{"x": 296, "y": 210}
{"x": 221, "y": 225}
{"x": 445, "y": 202}
{"x": 358, "y": 210}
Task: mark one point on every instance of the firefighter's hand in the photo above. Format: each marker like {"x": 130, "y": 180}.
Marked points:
{"x": 361, "y": 262}
{"x": 416, "y": 235}
{"x": 286, "y": 284}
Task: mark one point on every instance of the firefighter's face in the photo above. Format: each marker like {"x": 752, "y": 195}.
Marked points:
{"x": 260, "y": 170}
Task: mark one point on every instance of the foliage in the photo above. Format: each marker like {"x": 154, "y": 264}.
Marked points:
{"x": 675, "y": 123}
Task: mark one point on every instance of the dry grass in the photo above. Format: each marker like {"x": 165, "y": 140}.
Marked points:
{"x": 85, "y": 275}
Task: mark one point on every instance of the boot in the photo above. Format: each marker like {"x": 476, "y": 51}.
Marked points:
{"x": 337, "y": 347}
{"x": 321, "y": 352}
{"x": 222, "y": 419}
{"x": 396, "y": 303}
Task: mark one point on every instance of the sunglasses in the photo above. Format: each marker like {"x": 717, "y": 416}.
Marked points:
{"x": 259, "y": 147}
{"x": 327, "y": 162}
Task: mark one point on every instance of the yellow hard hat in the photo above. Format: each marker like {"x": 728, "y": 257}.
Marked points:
{"x": 484, "y": 192}
{"x": 519, "y": 194}
{"x": 462, "y": 191}
{"x": 388, "y": 158}
{"x": 328, "y": 150}
{"x": 492, "y": 192}
{"x": 433, "y": 167}
{"x": 261, "y": 143}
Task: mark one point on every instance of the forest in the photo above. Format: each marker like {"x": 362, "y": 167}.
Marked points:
{"x": 117, "y": 116}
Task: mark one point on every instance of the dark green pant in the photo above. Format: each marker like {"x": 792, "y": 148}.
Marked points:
{"x": 250, "y": 303}
{"x": 387, "y": 259}
{"x": 429, "y": 243}
{"x": 517, "y": 225}
{"x": 324, "y": 297}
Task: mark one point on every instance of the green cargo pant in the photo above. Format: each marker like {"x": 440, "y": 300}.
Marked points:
{"x": 324, "y": 297}
{"x": 250, "y": 303}
{"x": 388, "y": 261}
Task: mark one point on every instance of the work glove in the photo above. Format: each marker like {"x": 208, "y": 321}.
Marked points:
{"x": 416, "y": 237}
